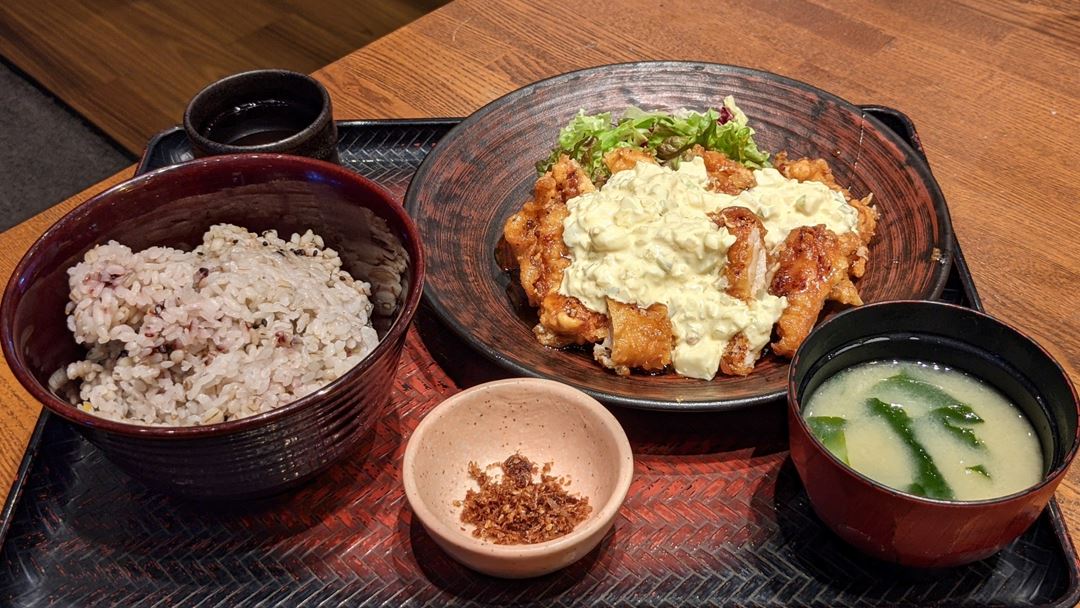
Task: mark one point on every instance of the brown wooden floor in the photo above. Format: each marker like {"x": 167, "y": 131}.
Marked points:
{"x": 129, "y": 66}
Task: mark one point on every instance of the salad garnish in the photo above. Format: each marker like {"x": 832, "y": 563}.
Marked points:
{"x": 668, "y": 136}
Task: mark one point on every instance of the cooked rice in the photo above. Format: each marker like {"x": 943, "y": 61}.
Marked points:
{"x": 241, "y": 325}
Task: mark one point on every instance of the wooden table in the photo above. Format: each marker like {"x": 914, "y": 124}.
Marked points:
{"x": 991, "y": 85}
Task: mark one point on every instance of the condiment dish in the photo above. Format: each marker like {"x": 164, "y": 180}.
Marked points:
{"x": 904, "y": 528}
{"x": 543, "y": 420}
{"x": 264, "y": 111}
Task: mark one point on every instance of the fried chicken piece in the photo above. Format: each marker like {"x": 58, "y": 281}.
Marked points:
{"x": 747, "y": 266}
{"x": 738, "y": 358}
{"x": 534, "y": 236}
{"x": 868, "y": 217}
{"x": 747, "y": 273}
{"x": 725, "y": 175}
{"x": 564, "y": 320}
{"x": 808, "y": 170}
{"x": 813, "y": 267}
{"x": 818, "y": 170}
{"x": 816, "y": 265}
{"x": 621, "y": 159}
{"x": 858, "y": 253}
{"x": 641, "y": 338}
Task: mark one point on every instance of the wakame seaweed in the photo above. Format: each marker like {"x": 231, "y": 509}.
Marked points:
{"x": 928, "y": 479}
{"x": 830, "y": 431}
{"x": 947, "y": 410}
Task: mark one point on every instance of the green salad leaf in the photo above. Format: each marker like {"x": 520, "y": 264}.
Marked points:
{"x": 587, "y": 138}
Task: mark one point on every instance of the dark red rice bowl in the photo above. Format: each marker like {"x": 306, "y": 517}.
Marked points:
{"x": 255, "y": 456}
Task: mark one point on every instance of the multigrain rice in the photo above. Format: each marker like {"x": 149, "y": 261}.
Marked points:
{"x": 240, "y": 325}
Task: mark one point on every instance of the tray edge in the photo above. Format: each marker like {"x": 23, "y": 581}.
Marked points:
{"x": 144, "y": 161}
{"x": 910, "y": 136}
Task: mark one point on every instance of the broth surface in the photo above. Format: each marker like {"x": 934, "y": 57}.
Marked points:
{"x": 927, "y": 430}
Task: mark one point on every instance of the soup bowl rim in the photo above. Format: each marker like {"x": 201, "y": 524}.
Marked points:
{"x": 1051, "y": 476}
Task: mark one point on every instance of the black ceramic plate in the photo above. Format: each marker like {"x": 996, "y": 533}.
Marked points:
{"x": 483, "y": 171}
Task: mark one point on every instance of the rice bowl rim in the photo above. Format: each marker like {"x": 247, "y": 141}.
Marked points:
{"x": 249, "y": 162}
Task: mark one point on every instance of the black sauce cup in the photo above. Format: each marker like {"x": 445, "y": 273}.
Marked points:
{"x": 263, "y": 111}
{"x": 900, "y": 527}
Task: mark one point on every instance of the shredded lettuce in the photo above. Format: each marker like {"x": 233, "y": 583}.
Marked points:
{"x": 587, "y": 138}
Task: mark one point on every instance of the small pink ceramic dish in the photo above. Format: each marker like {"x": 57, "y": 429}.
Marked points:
{"x": 545, "y": 421}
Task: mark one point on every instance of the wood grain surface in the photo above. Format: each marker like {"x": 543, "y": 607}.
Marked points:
{"x": 991, "y": 86}
{"x": 130, "y": 66}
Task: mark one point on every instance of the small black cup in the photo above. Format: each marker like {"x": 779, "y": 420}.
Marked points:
{"x": 263, "y": 111}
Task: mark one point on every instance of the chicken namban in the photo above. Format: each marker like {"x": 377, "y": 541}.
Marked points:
{"x": 679, "y": 245}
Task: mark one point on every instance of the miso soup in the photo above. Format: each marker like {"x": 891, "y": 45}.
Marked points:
{"x": 927, "y": 430}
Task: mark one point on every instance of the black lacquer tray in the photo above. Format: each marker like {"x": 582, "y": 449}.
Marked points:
{"x": 711, "y": 519}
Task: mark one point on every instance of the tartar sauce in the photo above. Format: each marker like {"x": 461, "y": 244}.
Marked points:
{"x": 785, "y": 204}
{"x": 644, "y": 238}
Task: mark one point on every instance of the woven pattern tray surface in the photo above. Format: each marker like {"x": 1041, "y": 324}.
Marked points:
{"x": 716, "y": 514}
